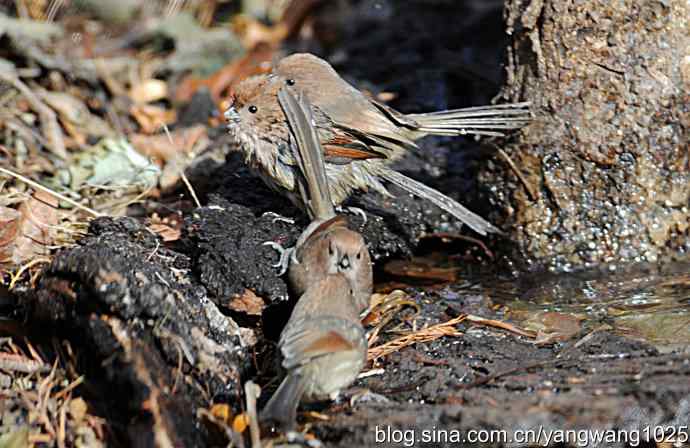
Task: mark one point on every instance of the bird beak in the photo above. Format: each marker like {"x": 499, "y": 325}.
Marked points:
{"x": 345, "y": 262}
{"x": 232, "y": 116}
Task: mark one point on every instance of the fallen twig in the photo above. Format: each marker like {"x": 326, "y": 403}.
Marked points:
{"x": 182, "y": 174}
{"x": 14, "y": 278}
{"x": 12, "y": 362}
{"x": 35, "y": 184}
{"x": 386, "y": 311}
{"x": 457, "y": 236}
{"x": 252, "y": 392}
{"x": 69, "y": 388}
{"x": 499, "y": 324}
{"x": 530, "y": 191}
{"x": 488, "y": 378}
{"x": 49, "y": 123}
{"x": 424, "y": 335}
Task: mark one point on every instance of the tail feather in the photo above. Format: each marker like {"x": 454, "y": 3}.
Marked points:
{"x": 481, "y": 120}
{"x": 309, "y": 154}
{"x": 476, "y": 111}
{"x": 282, "y": 407}
{"x": 474, "y": 221}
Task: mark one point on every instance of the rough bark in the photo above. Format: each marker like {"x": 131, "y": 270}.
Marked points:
{"x": 605, "y": 168}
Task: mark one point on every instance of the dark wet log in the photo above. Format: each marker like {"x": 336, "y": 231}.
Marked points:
{"x": 146, "y": 331}
{"x": 605, "y": 168}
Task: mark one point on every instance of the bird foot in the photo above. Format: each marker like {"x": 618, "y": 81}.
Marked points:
{"x": 367, "y": 396}
{"x": 278, "y": 218}
{"x": 353, "y": 211}
{"x": 285, "y": 256}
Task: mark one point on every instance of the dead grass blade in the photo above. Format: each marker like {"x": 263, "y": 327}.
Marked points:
{"x": 502, "y": 325}
{"x": 38, "y": 186}
{"x": 424, "y": 335}
{"x": 14, "y": 362}
{"x": 49, "y": 122}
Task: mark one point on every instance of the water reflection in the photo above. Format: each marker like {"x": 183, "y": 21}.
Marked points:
{"x": 641, "y": 302}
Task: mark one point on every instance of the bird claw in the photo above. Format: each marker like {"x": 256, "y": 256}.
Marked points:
{"x": 285, "y": 256}
{"x": 367, "y": 396}
{"x": 354, "y": 211}
{"x": 278, "y": 218}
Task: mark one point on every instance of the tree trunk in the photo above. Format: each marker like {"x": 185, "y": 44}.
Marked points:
{"x": 603, "y": 174}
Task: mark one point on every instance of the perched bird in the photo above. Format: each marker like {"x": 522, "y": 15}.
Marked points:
{"x": 327, "y": 245}
{"x": 333, "y": 248}
{"x": 360, "y": 137}
{"x": 323, "y": 346}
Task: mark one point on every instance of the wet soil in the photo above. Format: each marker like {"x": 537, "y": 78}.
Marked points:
{"x": 598, "y": 378}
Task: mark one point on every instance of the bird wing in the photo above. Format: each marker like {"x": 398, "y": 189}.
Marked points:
{"x": 344, "y": 145}
{"x": 346, "y": 109}
{"x": 370, "y": 121}
{"x": 316, "y": 230}
{"x": 310, "y": 338}
{"x": 397, "y": 117}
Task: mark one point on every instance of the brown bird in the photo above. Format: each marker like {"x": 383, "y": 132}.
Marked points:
{"x": 323, "y": 346}
{"x": 326, "y": 246}
{"x": 333, "y": 248}
{"x": 360, "y": 137}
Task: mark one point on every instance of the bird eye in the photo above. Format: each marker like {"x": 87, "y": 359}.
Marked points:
{"x": 290, "y": 82}
{"x": 253, "y": 109}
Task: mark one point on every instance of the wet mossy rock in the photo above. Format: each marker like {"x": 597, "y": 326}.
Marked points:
{"x": 605, "y": 165}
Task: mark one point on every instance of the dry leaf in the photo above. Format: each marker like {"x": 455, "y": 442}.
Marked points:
{"x": 160, "y": 147}
{"x": 377, "y": 305}
{"x": 553, "y": 326}
{"x": 252, "y": 32}
{"x": 255, "y": 62}
{"x": 240, "y": 423}
{"x": 421, "y": 269}
{"x": 222, "y": 412}
{"x": 39, "y": 216}
{"x": 10, "y": 219}
{"x": 75, "y": 116}
{"x": 166, "y": 232}
{"x": 77, "y": 408}
{"x": 149, "y": 91}
{"x": 151, "y": 118}
{"x": 248, "y": 303}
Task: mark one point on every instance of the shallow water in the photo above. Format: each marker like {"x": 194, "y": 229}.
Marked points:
{"x": 641, "y": 302}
